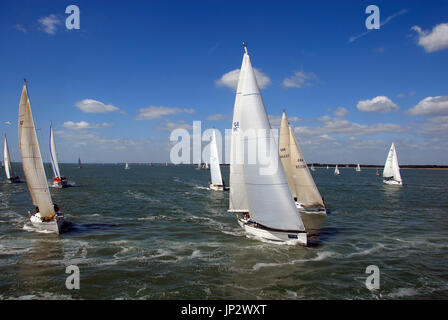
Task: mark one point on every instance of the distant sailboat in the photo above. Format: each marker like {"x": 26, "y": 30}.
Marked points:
{"x": 126, "y": 166}
{"x": 58, "y": 180}
{"x": 79, "y": 163}
{"x": 9, "y": 172}
{"x": 47, "y": 216}
{"x": 215, "y": 170}
{"x": 301, "y": 183}
{"x": 327, "y": 167}
{"x": 312, "y": 167}
{"x": 336, "y": 171}
{"x": 391, "y": 172}
{"x": 358, "y": 168}
{"x": 377, "y": 172}
{"x": 272, "y": 211}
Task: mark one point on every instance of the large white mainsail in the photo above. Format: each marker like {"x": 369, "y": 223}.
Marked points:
{"x": 391, "y": 172}
{"x": 238, "y": 195}
{"x": 215, "y": 170}
{"x": 53, "y": 156}
{"x": 270, "y": 202}
{"x": 7, "y": 161}
{"x": 33, "y": 167}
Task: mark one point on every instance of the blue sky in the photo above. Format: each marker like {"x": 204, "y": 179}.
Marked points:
{"x": 137, "y": 69}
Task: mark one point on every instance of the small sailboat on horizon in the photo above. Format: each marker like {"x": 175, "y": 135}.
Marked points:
{"x": 9, "y": 172}
{"x": 312, "y": 167}
{"x": 217, "y": 183}
{"x": 271, "y": 212}
{"x": 126, "y": 166}
{"x": 358, "y": 168}
{"x": 79, "y": 163}
{"x": 391, "y": 172}
{"x": 336, "y": 171}
{"x": 59, "y": 181}
{"x": 47, "y": 216}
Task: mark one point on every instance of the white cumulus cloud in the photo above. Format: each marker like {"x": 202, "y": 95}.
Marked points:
{"x": 378, "y": 104}
{"x": 230, "y": 79}
{"x": 50, "y": 23}
{"x": 154, "y": 112}
{"x": 434, "y": 40}
{"x": 300, "y": 79}
{"x": 94, "y": 106}
{"x": 431, "y": 106}
{"x": 83, "y": 125}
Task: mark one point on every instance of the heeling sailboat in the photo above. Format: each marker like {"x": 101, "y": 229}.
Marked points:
{"x": 358, "y": 168}
{"x": 79, "y": 163}
{"x": 303, "y": 188}
{"x": 391, "y": 172}
{"x": 336, "y": 171}
{"x": 215, "y": 170}
{"x": 47, "y": 216}
{"x": 9, "y": 172}
{"x": 272, "y": 212}
{"x": 58, "y": 180}
{"x": 126, "y": 166}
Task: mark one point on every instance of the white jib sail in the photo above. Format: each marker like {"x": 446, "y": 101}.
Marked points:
{"x": 270, "y": 201}
{"x": 33, "y": 167}
{"x": 285, "y": 154}
{"x": 53, "y": 156}
{"x": 7, "y": 161}
{"x": 307, "y": 193}
{"x": 215, "y": 170}
{"x": 238, "y": 195}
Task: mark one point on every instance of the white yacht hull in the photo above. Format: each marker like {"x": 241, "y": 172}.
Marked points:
{"x": 218, "y": 188}
{"x": 319, "y": 210}
{"x": 292, "y": 238}
{"x": 393, "y": 182}
{"x": 50, "y": 226}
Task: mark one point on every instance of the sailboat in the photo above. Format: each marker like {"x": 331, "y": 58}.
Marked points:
{"x": 47, "y": 216}
{"x": 9, "y": 172}
{"x": 327, "y": 167}
{"x": 79, "y": 163}
{"x": 58, "y": 180}
{"x": 272, "y": 214}
{"x": 377, "y": 172}
{"x": 312, "y": 167}
{"x": 336, "y": 171}
{"x": 206, "y": 167}
{"x": 215, "y": 171}
{"x": 358, "y": 168}
{"x": 301, "y": 184}
{"x": 126, "y": 166}
{"x": 391, "y": 172}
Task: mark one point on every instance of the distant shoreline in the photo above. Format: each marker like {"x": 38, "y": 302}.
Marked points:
{"x": 316, "y": 165}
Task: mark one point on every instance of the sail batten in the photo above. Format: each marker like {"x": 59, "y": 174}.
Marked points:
{"x": 32, "y": 160}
